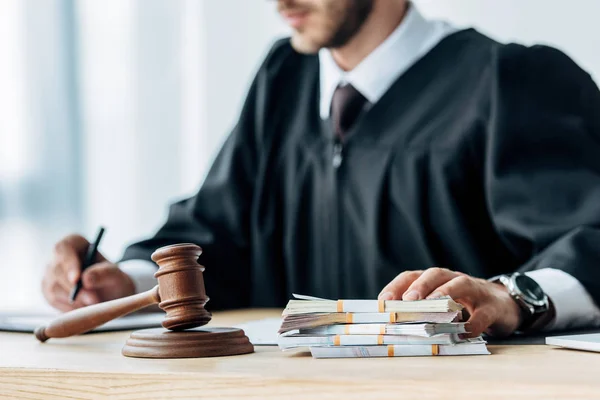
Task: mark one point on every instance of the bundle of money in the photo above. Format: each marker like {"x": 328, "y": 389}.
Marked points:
{"x": 376, "y": 328}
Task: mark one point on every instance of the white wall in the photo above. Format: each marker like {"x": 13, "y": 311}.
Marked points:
{"x": 238, "y": 35}
{"x": 571, "y": 26}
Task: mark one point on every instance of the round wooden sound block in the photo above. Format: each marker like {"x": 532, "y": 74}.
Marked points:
{"x": 193, "y": 343}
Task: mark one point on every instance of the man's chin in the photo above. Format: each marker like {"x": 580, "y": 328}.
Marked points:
{"x": 304, "y": 45}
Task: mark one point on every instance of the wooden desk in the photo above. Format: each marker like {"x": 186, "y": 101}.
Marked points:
{"x": 91, "y": 367}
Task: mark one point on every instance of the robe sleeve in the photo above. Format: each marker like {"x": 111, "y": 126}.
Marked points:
{"x": 217, "y": 218}
{"x": 542, "y": 168}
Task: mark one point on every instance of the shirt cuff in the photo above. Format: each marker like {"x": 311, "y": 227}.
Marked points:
{"x": 141, "y": 273}
{"x": 574, "y": 306}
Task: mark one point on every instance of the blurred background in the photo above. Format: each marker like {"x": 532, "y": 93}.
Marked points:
{"x": 110, "y": 110}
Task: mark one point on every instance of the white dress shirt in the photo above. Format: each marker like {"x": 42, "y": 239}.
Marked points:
{"x": 410, "y": 41}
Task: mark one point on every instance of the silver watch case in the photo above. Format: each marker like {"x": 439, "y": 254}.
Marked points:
{"x": 527, "y": 303}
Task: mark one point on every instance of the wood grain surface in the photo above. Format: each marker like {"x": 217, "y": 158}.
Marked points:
{"x": 92, "y": 367}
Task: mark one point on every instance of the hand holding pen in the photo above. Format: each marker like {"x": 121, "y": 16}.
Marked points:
{"x": 90, "y": 257}
{"x": 79, "y": 271}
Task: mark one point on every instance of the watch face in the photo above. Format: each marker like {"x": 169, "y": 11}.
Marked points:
{"x": 529, "y": 288}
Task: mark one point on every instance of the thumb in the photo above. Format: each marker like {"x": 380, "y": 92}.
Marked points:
{"x": 101, "y": 275}
{"x": 481, "y": 318}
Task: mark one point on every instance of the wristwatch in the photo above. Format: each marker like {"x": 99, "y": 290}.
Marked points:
{"x": 534, "y": 303}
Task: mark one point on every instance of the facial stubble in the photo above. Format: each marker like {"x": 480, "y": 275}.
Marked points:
{"x": 342, "y": 26}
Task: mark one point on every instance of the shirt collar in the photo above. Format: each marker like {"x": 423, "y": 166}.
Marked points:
{"x": 414, "y": 37}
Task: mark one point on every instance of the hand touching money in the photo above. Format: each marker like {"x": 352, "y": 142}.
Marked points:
{"x": 490, "y": 307}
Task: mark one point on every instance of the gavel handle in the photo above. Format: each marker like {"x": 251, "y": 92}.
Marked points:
{"x": 87, "y": 318}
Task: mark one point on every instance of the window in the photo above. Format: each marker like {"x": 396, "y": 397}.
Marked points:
{"x": 109, "y": 111}
{"x": 39, "y": 162}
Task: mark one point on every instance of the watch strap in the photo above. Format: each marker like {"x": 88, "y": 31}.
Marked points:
{"x": 536, "y": 324}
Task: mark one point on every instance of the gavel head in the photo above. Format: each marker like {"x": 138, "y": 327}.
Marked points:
{"x": 181, "y": 286}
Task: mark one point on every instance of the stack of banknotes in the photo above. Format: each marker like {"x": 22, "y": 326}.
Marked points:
{"x": 376, "y": 328}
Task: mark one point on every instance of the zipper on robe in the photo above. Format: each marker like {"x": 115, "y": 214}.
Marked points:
{"x": 336, "y": 212}
{"x": 337, "y": 154}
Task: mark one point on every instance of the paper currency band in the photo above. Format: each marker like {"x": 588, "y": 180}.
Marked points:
{"x": 392, "y": 318}
{"x": 435, "y": 350}
{"x": 337, "y": 341}
{"x": 348, "y": 330}
{"x": 349, "y": 318}
{"x": 340, "y": 306}
{"x": 379, "y": 340}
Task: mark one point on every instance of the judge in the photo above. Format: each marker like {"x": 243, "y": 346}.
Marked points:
{"x": 381, "y": 154}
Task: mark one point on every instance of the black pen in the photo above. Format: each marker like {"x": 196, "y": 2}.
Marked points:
{"x": 90, "y": 256}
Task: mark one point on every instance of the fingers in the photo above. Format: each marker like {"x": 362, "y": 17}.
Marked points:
{"x": 64, "y": 271}
{"x": 480, "y": 320}
{"x": 65, "y": 305}
{"x": 58, "y": 296}
{"x": 54, "y": 292}
{"x": 396, "y": 288}
{"x": 56, "y": 276}
{"x": 107, "y": 281}
{"x": 490, "y": 307}
{"x": 417, "y": 285}
{"x": 459, "y": 287}
{"x": 101, "y": 275}
{"x": 429, "y": 280}
{"x": 470, "y": 293}
{"x": 87, "y": 297}
{"x": 68, "y": 254}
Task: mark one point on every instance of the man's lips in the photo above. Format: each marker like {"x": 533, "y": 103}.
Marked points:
{"x": 295, "y": 18}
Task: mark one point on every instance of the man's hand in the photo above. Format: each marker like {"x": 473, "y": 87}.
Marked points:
{"x": 490, "y": 307}
{"x": 102, "y": 281}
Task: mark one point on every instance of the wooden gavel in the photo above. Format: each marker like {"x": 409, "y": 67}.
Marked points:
{"x": 180, "y": 293}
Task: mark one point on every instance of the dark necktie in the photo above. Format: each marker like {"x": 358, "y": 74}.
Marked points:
{"x": 346, "y": 106}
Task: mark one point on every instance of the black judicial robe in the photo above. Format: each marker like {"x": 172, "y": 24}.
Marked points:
{"x": 482, "y": 158}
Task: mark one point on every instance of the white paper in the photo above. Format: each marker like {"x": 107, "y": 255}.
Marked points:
{"x": 28, "y": 322}
{"x": 305, "y": 297}
{"x": 589, "y": 341}
{"x": 262, "y": 332}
